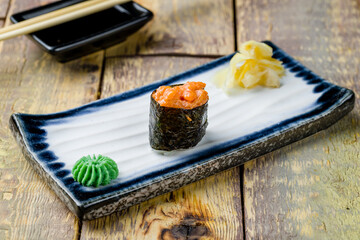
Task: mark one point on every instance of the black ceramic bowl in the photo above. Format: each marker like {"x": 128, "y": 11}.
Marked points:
{"x": 88, "y": 34}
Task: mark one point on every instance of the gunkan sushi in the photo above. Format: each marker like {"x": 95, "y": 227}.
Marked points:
{"x": 178, "y": 116}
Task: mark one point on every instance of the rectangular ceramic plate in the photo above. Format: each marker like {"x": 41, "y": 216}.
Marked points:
{"x": 241, "y": 127}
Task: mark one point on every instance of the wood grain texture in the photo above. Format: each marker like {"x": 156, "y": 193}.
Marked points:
{"x": 183, "y": 27}
{"x": 32, "y": 82}
{"x": 207, "y": 209}
{"x": 311, "y": 189}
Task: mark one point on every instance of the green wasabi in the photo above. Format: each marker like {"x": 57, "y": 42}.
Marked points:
{"x": 95, "y": 171}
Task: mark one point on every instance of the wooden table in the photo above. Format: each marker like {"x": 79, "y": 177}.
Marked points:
{"x": 308, "y": 190}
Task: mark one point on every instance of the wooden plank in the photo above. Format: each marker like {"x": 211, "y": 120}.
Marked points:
{"x": 207, "y": 209}
{"x": 19, "y": 6}
{"x": 32, "y": 82}
{"x": 183, "y": 27}
{"x": 4, "y": 4}
{"x": 309, "y": 190}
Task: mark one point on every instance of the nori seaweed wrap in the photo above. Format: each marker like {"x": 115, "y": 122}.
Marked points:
{"x": 176, "y": 128}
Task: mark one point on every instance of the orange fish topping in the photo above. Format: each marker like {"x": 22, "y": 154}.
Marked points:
{"x": 188, "y": 96}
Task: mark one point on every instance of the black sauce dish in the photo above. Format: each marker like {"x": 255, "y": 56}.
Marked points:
{"x": 88, "y": 34}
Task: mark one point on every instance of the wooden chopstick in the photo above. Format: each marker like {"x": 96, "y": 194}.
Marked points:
{"x": 46, "y": 16}
{"x": 57, "y": 17}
